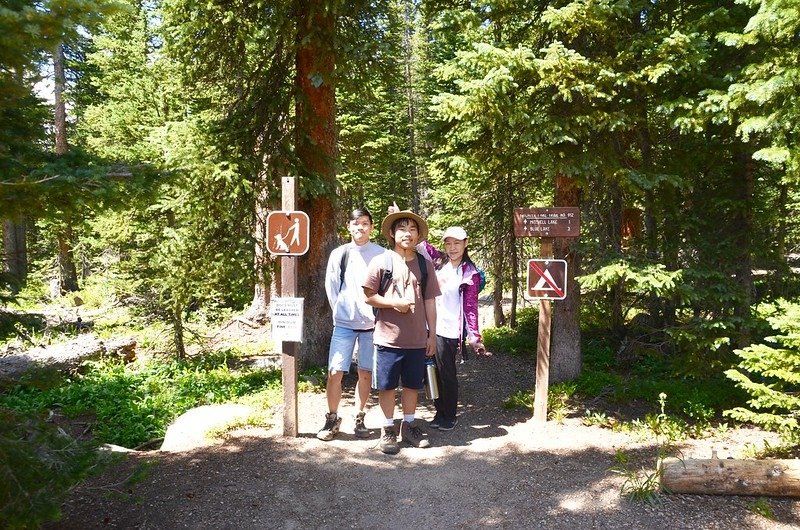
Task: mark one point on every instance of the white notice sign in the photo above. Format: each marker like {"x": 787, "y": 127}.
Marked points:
{"x": 286, "y": 315}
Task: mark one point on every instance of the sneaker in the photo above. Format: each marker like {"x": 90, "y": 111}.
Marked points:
{"x": 331, "y": 428}
{"x": 436, "y": 422}
{"x": 447, "y": 425}
{"x": 360, "y": 430}
{"x": 389, "y": 443}
{"x": 412, "y": 435}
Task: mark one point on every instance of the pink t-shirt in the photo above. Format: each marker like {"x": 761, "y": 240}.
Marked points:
{"x": 392, "y": 328}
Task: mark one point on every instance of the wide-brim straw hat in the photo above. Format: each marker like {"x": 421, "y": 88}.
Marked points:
{"x": 386, "y": 225}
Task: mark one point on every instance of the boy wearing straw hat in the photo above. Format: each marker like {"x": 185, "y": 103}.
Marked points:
{"x": 405, "y": 326}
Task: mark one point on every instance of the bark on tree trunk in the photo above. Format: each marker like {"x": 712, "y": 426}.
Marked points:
{"x": 317, "y": 154}
{"x": 15, "y": 252}
{"x": 565, "y": 335}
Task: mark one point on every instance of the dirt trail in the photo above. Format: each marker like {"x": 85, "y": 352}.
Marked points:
{"x": 497, "y": 469}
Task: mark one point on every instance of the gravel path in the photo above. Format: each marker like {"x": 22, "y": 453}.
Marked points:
{"x": 497, "y": 469}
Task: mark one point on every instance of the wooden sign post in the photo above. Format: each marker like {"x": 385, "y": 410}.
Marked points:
{"x": 547, "y": 224}
{"x": 289, "y": 350}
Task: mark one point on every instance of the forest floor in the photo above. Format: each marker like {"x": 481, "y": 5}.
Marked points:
{"x": 496, "y": 469}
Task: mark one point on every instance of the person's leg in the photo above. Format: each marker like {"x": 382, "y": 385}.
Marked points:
{"x": 333, "y": 390}
{"x": 386, "y": 402}
{"x": 340, "y": 356}
{"x": 366, "y": 361}
{"x": 388, "y": 362}
{"x": 447, "y": 402}
{"x": 413, "y": 376}
{"x": 408, "y": 401}
{"x": 387, "y": 376}
{"x": 363, "y": 387}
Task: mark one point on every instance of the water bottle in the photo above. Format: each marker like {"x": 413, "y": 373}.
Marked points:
{"x": 431, "y": 383}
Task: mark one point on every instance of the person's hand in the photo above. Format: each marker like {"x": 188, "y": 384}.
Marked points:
{"x": 430, "y": 347}
{"x": 402, "y": 305}
{"x": 480, "y": 350}
{"x": 393, "y": 208}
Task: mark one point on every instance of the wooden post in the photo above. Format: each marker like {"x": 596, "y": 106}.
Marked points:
{"x": 543, "y": 347}
{"x": 289, "y": 350}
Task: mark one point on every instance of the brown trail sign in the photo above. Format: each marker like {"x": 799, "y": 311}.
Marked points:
{"x": 547, "y": 280}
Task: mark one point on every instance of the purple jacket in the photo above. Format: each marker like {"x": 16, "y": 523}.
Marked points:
{"x": 470, "y": 282}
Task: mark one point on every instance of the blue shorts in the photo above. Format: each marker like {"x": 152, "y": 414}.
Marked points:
{"x": 343, "y": 341}
{"x": 392, "y": 364}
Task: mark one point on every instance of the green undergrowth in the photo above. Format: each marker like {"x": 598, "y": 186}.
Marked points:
{"x": 134, "y": 403}
{"x": 125, "y": 404}
{"x": 624, "y": 394}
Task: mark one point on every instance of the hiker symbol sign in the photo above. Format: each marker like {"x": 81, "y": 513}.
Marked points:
{"x": 547, "y": 279}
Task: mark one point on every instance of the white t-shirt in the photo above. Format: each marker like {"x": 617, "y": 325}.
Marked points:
{"x": 448, "y": 305}
{"x": 348, "y": 305}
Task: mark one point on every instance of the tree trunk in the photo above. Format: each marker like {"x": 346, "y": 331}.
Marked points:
{"x": 743, "y": 175}
{"x": 512, "y": 321}
{"x": 177, "y": 332}
{"x": 497, "y": 293}
{"x": 616, "y": 291}
{"x": 58, "y": 94}
{"x": 15, "y": 252}
{"x": 68, "y": 274}
{"x": 411, "y": 105}
{"x": 317, "y": 154}
{"x": 565, "y": 335}
{"x": 262, "y": 264}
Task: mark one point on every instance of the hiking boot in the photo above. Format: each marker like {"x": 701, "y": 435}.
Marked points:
{"x": 412, "y": 435}
{"x": 360, "y": 430}
{"x": 389, "y": 443}
{"x": 436, "y": 422}
{"x": 331, "y": 428}
{"x": 447, "y": 425}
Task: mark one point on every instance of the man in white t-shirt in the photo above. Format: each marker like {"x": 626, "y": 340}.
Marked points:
{"x": 353, "y": 322}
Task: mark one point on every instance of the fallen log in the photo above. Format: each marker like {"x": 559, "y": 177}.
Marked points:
{"x": 714, "y": 476}
{"x": 67, "y": 356}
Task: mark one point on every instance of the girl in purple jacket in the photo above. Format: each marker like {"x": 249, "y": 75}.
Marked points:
{"x": 456, "y": 317}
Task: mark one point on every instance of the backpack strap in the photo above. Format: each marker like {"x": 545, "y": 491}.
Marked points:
{"x": 343, "y": 265}
{"x": 386, "y": 277}
{"x": 388, "y": 266}
{"x": 423, "y": 267}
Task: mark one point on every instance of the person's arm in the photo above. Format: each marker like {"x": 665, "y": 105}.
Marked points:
{"x": 430, "y": 317}
{"x": 385, "y": 301}
{"x": 332, "y": 278}
{"x": 471, "y": 314}
{"x": 429, "y": 251}
{"x": 374, "y": 299}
